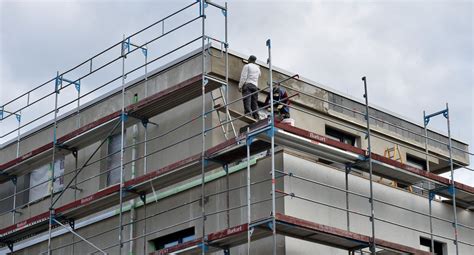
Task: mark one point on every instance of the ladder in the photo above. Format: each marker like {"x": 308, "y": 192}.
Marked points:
{"x": 224, "y": 116}
{"x": 394, "y": 153}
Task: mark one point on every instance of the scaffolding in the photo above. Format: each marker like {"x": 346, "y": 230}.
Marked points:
{"x": 258, "y": 136}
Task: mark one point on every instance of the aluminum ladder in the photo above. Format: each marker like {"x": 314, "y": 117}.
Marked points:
{"x": 224, "y": 117}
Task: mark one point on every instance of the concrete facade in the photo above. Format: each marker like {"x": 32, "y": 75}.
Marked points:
{"x": 317, "y": 116}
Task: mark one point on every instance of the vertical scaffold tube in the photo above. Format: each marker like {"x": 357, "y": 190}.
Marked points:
{"x": 145, "y": 149}
{"x": 14, "y": 180}
{"x": 132, "y": 202}
{"x": 226, "y": 48}
{"x": 453, "y": 186}
{"x": 15, "y": 189}
{"x": 369, "y": 152}
{"x": 78, "y": 116}
{"x": 203, "y": 134}
{"x": 429, "y": 183}
{"x": 249, "y": 198}
{"x": 122, "y": 144}
{"x": 18, "y": 118}
{"x": 348, "y": 222}
{"x": 272, "y": 146}
{"x": 51, "y": 188}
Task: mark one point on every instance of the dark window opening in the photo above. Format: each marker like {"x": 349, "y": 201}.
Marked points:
{"x": 341, "y": 136}
{"x": 113, "y": 160}
{"x": 439, "y": 247}
{"x": 173, "y": 239}
{"x": 416, "y": 162}
{"x": 324, "y": 161}
{"x": 402, "y": 186}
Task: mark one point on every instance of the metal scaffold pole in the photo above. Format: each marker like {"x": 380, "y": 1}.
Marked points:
{"x": 452, "y": 186}
{"x": 227, "y": 119}
{"x": 122, "y": 144}
{"x": 203, "y": 118}
{"x": 15, "y": 189}
{"x": 78, "y": 117}
{"x": 57, "y": 85}
{"x": 348, "y": 222}
{"x": 430, "y": 197}
{"x": 272, "y": 146}
{"x": 18, "y": 118}
{"x": 145, "y": 147}
{"x": 249, "y": 198}
{"x": 369, "y": 155}
{"x": 14, "y": 179}
{"x": 226, "y": 48}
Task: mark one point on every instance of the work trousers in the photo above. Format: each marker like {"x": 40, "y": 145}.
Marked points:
{"x": 250, "y": 102}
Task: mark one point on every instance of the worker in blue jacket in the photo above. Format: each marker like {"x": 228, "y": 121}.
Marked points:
{"x": 281, "y": 103}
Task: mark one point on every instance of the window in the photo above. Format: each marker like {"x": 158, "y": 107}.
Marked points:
{"x": 416, "y": 162}
{"x": 40, "y": 187}
{"x": 341, "y": 136}
{"x": 439, "y": 247}
{"x": 113, "y": 161}
{"x": 173, "y": 239}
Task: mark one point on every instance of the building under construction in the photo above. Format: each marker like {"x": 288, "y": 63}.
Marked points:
{"x": 166, "y": 162}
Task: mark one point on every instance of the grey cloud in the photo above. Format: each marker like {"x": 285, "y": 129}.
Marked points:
{"x": 416, "y": 55}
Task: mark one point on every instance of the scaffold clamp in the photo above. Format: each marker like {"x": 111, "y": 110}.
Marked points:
{"x": 431, "y": 195}
{"x": 270, "y": 225}
{"x": 125, "y": 47}
{"x": 10, "y": 246}
{"x": 145, "y": 122}
{"x": 204, "y": 246}
{"x": 271, "y": 131}
{"x": 451, "y": 189}
{"x": 446, "y": 113}
{"x": 123, "y": 116}
{"x": 143, "y": 197}
{"x": 72, "y": 224}
{"x": 348, "y": 168}
{"x": 14, "y": 179}
{"x": 249, "y": 140}
{"x": 427, "y": 120}
{"x": 77, "y": 85}
{"x": 57, "y": 83}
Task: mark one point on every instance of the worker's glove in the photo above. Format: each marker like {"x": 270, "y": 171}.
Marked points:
{"x": 269, "y": 109}
{"x": 279, "y": 107}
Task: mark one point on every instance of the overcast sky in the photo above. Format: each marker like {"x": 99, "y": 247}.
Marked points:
{"x": 416, "y": 55}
